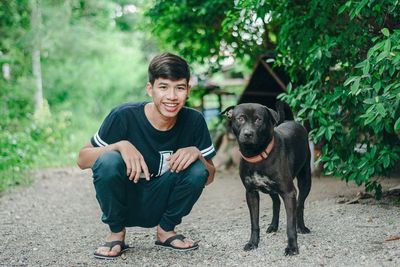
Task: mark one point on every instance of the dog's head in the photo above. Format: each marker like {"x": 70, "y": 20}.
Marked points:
{"x": 253, "y": 124}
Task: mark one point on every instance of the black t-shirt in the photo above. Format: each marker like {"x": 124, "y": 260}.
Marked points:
{"x": 129, "y": 122}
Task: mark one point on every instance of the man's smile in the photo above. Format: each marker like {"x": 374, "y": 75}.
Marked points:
{"x": 171, "y": 107}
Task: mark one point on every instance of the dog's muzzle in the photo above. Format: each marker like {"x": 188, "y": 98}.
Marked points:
{"x": 247, "y": 136}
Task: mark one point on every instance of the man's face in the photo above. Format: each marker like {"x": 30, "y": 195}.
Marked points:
{"x": 168, "y": 96}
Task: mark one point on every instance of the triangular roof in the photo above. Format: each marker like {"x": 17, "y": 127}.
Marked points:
{"x": 265, "y": 83}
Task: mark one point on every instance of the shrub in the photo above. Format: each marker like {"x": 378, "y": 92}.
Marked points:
{"x": 357, "y": 121}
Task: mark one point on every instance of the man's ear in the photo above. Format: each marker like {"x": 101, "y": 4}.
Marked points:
{"x": 149, "y": 89}
{"x": 228, "y": 112}
{"x": 273, "y": 115}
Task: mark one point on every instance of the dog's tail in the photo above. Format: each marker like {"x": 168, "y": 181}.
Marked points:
{"x": 284, "y": 112}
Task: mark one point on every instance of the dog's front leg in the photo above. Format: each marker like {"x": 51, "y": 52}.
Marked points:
{"x": 276, "y": 206}
{"x": 290, "y": 205}
{"x": 253, "y": 202}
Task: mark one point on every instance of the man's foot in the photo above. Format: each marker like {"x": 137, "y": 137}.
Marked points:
{"x": 162, "y": 236}
{"x": 116, "y": 249}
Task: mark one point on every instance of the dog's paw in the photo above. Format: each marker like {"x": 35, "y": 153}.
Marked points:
{"x": 272, "y": 228}
{"x": 303, "y": 230}
{"x": 290, "y": 251}
{"x": 250, "y": 246}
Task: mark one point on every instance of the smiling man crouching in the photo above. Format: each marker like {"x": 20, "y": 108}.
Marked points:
{"x": 151, "y": 160}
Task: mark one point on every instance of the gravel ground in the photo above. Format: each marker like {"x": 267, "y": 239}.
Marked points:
{"x": 56, "y": 222}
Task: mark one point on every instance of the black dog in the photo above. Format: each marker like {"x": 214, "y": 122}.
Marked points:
{"x": 272, "y": 155}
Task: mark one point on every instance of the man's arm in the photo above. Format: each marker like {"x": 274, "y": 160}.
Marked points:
{"x": 133, "y": 159}
{"x": 211, "y": 169}
{"x": 89, "y": 154}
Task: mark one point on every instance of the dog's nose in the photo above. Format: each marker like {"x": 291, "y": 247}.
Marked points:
{"x": 248, "y": 134}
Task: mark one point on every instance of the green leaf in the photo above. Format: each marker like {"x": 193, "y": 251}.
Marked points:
{"x": 328, "y": 133}
{"x": 392, "y": 70}
{"x": 366, "y": 68}
{"x": 370, "y": 171}
{"x": 319, "y": 54}
{"x": 360, "y": 65}
{"x": 342, "y": 9}
{"x": 377, "y": 86}
{"x": 385, "y": 32}
{"x": 356, "y": 85}
{"x": 352, "y": 177}
{"x": 386, "y": 161}
{"x": 369, "y": 118}
{"x": 359, "y": 7}
{"x": 397, "y": 125}
{"x": 396, "y": 59}
{"x": 350, "y": 80}
{"x": 301, "y": 112}
{"x": 381, "y": 109}
{"x": 320, "y": 132}
{"x": 381, "y": 56}
{"x": 373, "y": 151}
{"x": 387, "y": 46}
{"x": 369, "y": 101}
{"x": 289, "y": 88}
{"x": 376, "y": 47}
{"x": 381, "y": 69}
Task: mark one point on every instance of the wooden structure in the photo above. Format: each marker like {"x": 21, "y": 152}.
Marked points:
{"x": 265, "y": 83}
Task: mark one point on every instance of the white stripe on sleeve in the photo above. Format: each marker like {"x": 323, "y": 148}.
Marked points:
{"x": 99, "y": 141}
{"x": 207, "y": 151}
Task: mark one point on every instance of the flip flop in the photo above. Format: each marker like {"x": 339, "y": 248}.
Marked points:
{"x": 110, "y": 245}
{"x": 167, "y": 244}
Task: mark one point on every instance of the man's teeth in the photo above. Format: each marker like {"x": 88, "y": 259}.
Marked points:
{"x": 171, "y": 105}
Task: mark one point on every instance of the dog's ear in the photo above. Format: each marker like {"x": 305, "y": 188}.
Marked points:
{"x": 280, "y": 109}
{"x": 228, "y": 112}
{"x": 274, "y": 116}
{"x": 284, "y": 111}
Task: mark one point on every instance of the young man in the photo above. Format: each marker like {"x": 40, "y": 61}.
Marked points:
{"x": 151, "y": 160}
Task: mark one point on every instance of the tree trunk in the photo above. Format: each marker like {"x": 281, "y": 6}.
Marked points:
{"x": 36, "y": 66}
{"x": 37, "y": 74}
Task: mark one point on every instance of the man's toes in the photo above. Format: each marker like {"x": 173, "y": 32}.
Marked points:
{"x": 180, "y": 244}
{"x": 103, "y": 251}
{"x": 185, "y": 244}
{"x": 189, "y": 243}
{"x": 114, "y": 251}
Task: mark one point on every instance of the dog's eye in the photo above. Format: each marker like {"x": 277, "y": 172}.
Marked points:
{"x": 240, "y": 119}
{"x": 258, "y": 121}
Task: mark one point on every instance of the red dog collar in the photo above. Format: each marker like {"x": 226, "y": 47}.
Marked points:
{"x": 263, "y": 155}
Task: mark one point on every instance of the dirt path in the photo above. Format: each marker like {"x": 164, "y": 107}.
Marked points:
{"x": 56, "y": 222}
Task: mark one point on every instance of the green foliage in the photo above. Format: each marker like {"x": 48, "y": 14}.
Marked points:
{"x": 16, "y": 156}
{"x": 194, "y": 28}
{"x": 16, "y": 151}
{"x": 348, "y": 86}
{"x": 210, "y": 31}
{"x": 42, "y": 138}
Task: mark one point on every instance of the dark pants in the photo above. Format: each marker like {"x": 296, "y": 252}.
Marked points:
{"x": 163, "y": 200}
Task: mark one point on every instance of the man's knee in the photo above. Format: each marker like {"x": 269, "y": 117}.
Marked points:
{"x": 196, "y": 175}
{"x": 108, "y": 166}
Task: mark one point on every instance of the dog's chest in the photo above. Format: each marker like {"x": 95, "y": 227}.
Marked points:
{"x": 260, "y": 182}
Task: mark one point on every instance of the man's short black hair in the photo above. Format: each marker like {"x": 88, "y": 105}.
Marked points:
{"x": 168, "y": 66}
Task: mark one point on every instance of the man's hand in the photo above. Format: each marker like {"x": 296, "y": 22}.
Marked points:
{"x": 182, "y": 158}
{"x": 134, "y": 161}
